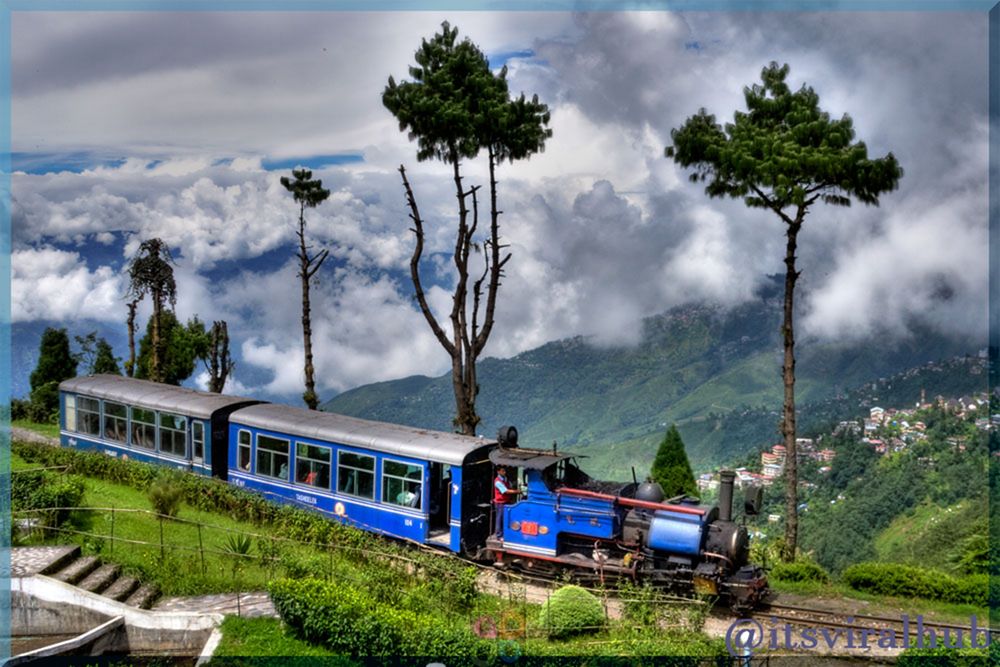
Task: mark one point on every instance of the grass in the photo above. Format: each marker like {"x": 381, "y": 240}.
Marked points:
{"x": 264, "y": 637}
{"x": 51, "y": 430}
{"x": 180, "y": 571}
{"x": 881, "y": 605}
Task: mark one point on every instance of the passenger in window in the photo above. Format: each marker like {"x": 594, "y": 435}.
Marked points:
{"x": 311, "y": 478}
{"x": 283, "y": 471}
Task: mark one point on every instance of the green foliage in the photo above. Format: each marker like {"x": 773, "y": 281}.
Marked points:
{"x": 46, "y": 490}
{"x": 800, "y": 570}
{"x": 909, "y": 581}
{"x": 349, "y": 621}
{"x": 96, "y": 355}
{"x": 55, "y": 364}
{"x": 305, "y": 191}
{"x": 950, "y": 657}
{"x": 671, "y": 469}
{"x": 571, "y": 610}
{"x": 783, "y": 151}
{"x": 105, "y": 360}
{"x": 183, "y": 346}
{"x": 166, "y": 495}
{"x": 456, "y": 105}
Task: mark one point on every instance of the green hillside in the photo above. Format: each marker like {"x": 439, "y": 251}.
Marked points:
{"x": 714, "y": 372}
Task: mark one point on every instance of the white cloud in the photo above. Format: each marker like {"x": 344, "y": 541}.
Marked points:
{"x": 50, "y": 284}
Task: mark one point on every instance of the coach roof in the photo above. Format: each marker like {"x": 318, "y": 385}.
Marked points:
{"x": 154, "y": 395}
{"x": 416, "y": 443}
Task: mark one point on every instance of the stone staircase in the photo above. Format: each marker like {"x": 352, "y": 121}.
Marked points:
{"x": 90, "y": 574}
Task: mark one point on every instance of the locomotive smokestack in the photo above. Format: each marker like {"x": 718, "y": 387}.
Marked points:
{"x": 726, "y": 478}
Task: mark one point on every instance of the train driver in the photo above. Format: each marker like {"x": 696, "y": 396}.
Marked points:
{"x": 501, "y": 496}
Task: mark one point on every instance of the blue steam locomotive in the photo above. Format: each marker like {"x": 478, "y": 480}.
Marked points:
{"x": 425, "y": 486}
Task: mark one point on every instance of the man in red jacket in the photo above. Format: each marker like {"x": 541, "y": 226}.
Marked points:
{"x": 501, "y": 494}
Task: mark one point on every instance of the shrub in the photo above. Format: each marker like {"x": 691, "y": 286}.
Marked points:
{"x": 909, "y": 581}
{"x": 571, "y": 610}
{"x": 44, "y": 490}
{"x": 946, "y": 657}
{"x": 349, "y": 621}
{"x": 800, "y": 570}
{"x": 166, "y": 496}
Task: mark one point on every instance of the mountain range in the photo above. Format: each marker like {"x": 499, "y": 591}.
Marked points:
{"x": 714, "y": 372}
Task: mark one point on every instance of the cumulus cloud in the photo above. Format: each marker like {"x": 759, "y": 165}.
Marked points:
{"x": 604, "y": 229}
{"x": 50, "y": 284}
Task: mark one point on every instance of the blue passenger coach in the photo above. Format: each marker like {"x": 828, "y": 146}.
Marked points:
{"x": 148, "y": 421}
{"x": 410, "y": 483}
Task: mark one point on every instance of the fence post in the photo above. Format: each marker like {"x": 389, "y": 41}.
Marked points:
{"x": 112, "y": 530}
{"x": 201, "y": 551}
{"x": 162, "y": 556}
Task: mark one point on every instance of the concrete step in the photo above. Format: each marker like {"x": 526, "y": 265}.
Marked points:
{"x": 121, "y": 588}
{"x": 101, "y": 578}
{"x": 78, "y": 569}
{"x": 61, "y": 557}
{"x": 144, "y": 596}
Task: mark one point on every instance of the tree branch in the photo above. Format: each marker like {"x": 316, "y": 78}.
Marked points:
{"x": 418, "y": 231}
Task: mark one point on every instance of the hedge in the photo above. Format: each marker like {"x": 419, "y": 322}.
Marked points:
{"x": 910, "y": 581}
{"x": 571, "y": 610}
{"x": 801, "y": 570}
{"x": 349, "y": 621}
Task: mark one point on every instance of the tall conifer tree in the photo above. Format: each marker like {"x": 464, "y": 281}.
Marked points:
{"x": 671, "y": 469}
{"x": 783, "y": 154}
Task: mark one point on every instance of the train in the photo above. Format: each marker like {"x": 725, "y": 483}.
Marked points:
{"x": 425, "y": 486}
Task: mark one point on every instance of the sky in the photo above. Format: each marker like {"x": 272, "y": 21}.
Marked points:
{"x": 128, "y": 126}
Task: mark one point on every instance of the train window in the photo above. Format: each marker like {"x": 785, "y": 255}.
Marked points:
{"x": 173, "y": 434}
{"x": 143, "y": 428}
{"x": 115, "y": 421}
{"x": 198, "y": 440}
{"x": 356, "y": 474}
{"x": 272, "y": 457}
{"x": 244, "y": 451}
{"x": 402, "y": 483}
{"x": 88, "y": 415}
{"x": 70, "y": 412}
{"x": 312, "y": 465}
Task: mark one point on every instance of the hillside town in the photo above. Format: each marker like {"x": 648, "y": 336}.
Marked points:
{"x": 886, "y": 430}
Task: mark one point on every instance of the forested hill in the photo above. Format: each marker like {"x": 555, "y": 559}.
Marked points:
{"x": 701, "y": 367}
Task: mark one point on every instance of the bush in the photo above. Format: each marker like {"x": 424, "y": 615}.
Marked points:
{"x": 571, "y": 610}
{"x": 349, "y": 621}
{"x": 800, "y": 570}
{"x": 166, "y": 496}
{"x": 909, "y": 581}
{"x": 44, "y": 490}
{"x": 947, "y": 657}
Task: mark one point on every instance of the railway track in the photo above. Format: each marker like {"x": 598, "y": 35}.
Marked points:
{"x": 904, "y": 625}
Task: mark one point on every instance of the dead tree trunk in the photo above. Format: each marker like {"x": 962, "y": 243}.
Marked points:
{"x": 308, "y": 266}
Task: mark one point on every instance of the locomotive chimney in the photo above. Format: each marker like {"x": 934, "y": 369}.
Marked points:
{"x": 726, "y": 478}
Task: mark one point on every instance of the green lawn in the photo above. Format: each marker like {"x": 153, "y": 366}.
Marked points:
{"x": 51, "y": 430}
{"x": 265, "y": 637}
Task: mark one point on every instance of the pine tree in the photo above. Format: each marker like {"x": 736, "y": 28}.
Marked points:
{"x": 671, "y": 469}
{"x": 181, "y": 348}
{"x": 783, "y": 154}
{"x": 105, "y": 360}
{"x": 454, "y": 107}
{"x": 307, "y": 193}
{"x": 55, "y": 364}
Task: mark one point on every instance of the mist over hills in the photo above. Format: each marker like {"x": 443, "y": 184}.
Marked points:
{"x": 715, "y": 372}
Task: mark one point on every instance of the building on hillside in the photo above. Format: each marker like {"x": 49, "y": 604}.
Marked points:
{"x": 771, "y": 470}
